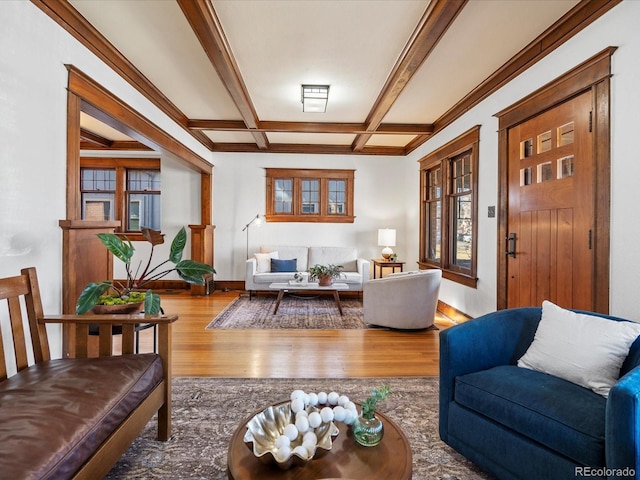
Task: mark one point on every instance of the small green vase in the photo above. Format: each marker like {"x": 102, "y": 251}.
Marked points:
{"x": 368, "y": 431}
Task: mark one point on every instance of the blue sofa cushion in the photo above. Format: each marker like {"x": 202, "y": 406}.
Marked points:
{"x": 535, "y": 405}
{"x": 278, "y": 265}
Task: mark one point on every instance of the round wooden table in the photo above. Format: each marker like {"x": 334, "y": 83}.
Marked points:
{"x": 346, "y": 460}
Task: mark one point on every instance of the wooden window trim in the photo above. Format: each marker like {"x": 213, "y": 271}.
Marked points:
{"x": 121, "y": 166}
{"x": 297, "y": 175}
{"x": 441, "y": 157}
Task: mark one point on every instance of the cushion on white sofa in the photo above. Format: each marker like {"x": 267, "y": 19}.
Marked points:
{"x": 286, "y": 252}
{"x": 345, "y": 256}
{"x": 263, "y": 261}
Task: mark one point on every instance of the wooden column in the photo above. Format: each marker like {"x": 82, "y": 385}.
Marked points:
{"x": 84, "y": 259}
{"x": 202, "y": 251}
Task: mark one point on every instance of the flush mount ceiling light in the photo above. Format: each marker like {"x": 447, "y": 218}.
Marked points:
{"x": 315, "y": 98}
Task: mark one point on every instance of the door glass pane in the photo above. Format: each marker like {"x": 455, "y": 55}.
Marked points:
{"x": 565, "y": 167}
{"x": 283, "y": 195}
{"x": 565, "y": 134}
{"x": 544, "y": 142}
{"x": 526, "y": 176}
{"x": 463, "y": 234}
{"x": 526, "y": 148}
{"x": 545, "y": 172}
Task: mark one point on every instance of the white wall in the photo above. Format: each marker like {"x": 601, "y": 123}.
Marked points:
{"x": 616, "y": 28}
{"x": 380, "y": 201}
{"x": 33, "y": 99}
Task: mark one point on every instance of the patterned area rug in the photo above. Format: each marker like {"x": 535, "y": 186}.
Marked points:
{"x": 294, "y": 312}
{"x": 206, "y": 412}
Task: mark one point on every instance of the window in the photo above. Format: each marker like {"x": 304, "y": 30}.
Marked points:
{"x": 448, "y": 209}
{"x": 121, "y": 189}
{"x": 295, "y": 195}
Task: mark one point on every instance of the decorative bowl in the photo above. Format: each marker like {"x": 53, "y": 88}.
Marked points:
{"x": 265, "y": 427}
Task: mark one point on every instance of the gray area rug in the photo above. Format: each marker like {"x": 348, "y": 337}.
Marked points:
{"x": 206, "y": 412}
{"x": 294, "y": 312}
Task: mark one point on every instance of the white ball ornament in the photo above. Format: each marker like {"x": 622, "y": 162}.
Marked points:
{"x": 343, "y": 400}
{"x": 338, "y": 413}
{"x": 327, "y": 414}
{"x": 313, "y": 399}
{"x": 332, "y": 398}
{"x": 322, "y": 398}
{"x": 297, "y": 405}
{"x": 302, "y": 413}
{"x": 315, "y": 420}
{"x": 302, "y": 424}
{"x": 291, "y": 431}
{"x": 351, "y": 406}
{"x": 300, "y": 450}
{"x": 297, "y": 394}
{"x": 349, "y": 417}
{"x": 283, "y": 453}
{"x": 310, "y": 437}
{"x": 282, "y": 441}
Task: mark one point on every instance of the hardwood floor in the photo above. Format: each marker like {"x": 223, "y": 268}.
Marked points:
{"x": 290, "y": 353}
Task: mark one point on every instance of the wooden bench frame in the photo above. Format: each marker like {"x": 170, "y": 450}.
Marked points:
{"x": 26, "y": 285}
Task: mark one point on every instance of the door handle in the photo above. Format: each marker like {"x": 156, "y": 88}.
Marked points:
{"x": 511, "y": 245}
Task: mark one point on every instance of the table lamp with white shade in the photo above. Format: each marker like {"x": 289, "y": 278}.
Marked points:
{"x": 386, "y": 239}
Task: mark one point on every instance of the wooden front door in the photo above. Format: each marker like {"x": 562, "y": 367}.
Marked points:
{"x": 551, "y": 204}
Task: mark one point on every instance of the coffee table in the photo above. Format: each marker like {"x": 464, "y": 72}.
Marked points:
{"x": 308, "y": 287}
{"x": 346, "y": 459}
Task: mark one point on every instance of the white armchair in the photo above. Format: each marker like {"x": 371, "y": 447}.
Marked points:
{"x": 402, "y": 300}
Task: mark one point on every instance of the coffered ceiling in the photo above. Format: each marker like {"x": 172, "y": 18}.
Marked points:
{"x": 230, "y": 71}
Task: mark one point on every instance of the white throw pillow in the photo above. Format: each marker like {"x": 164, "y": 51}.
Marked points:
{"x": 583, "y": 349}
{"x": 264, "y": 261}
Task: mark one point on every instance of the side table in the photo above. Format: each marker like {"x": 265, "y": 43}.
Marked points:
{"x": 382, "y": 263}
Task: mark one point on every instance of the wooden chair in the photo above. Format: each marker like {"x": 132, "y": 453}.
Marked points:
{"x": 159, "y": 400}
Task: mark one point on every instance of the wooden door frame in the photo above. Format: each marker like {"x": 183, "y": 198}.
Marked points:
{"x": 592, "y": 75}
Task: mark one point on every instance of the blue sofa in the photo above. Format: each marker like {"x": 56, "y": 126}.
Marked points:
{"x": 517, "y": 423}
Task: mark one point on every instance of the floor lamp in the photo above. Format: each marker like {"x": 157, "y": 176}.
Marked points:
{"x": 257, "y": 220}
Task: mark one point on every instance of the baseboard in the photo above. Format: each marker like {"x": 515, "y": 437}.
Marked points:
{"x": 452, "y": 313}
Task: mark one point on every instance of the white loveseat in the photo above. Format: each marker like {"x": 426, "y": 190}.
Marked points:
{"x": 258, "y": 268}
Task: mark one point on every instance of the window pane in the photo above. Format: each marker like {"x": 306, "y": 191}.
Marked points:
{"x": 310, "y": 196}
{"x": 284, "y": 195}
{"x": 97, "y": 206}
{"x": 143, "y": 211}
{"x": 97, "y": 187}
{"x": 143, "y": 180}
{"x": 463, "y": 231}
{"x": 97, "y": 180}
{"x": 435, "y": 231}
{"x": 337, "y": 196}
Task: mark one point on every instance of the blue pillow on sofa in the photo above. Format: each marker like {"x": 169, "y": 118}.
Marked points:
{"x": 278, "y": 265}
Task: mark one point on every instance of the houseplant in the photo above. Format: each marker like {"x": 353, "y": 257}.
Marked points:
{"x": 324, "y": 274}
{"x": 130, "y": 292}
{"x": 367, "y": 428}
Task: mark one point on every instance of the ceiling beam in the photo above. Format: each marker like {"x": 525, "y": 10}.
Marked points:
{"x": 317, "y": 149}
{"x": 432, "y": 26}
{"x": 95, "y": 139}
{"x": 312, "y": 127}
{"x": 206, "y": 25}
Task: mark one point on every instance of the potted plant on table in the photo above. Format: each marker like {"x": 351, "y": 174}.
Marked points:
{"x": 129, "y": 295}
{"x": 367, "y": 428}
{"x": 324, "y": 274}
